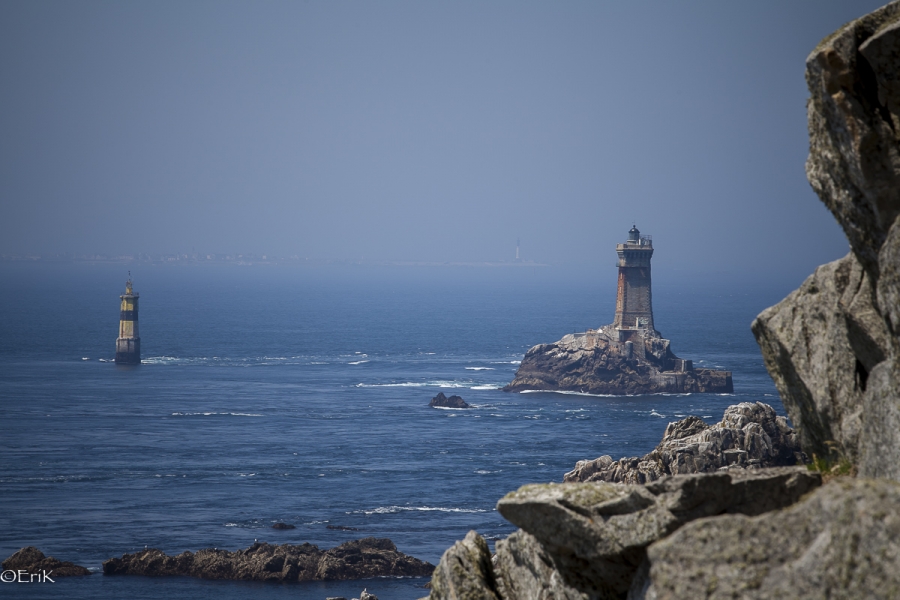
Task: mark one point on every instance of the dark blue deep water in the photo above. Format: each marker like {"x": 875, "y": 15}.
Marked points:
{"x": 301, "y": 395}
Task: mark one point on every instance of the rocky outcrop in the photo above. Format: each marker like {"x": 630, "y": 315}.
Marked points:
{"x": 442, "y": 401}
{"x": 32, "y": 560}
{"x": 840, "y": 542}
{"x": 832, "y": 346}
{"x": 589, "y": 540}
{"x": 360, "y": 559}
{"x": 596, "y": 362}
{"x": 749, "y": 436}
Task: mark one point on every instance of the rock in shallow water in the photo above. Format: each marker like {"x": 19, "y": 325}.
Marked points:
{"x": 442, "y": 401}
{"x": 750, "y": 435}
{"x": 360, "y": 559}
{"x": 32, "y": 560}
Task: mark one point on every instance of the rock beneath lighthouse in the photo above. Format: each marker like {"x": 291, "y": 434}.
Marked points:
{"x": 598, "y": 362}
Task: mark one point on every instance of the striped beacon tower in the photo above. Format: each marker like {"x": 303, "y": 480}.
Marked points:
{"x": 128, "y": 344}
{"x": 634, "y": 298}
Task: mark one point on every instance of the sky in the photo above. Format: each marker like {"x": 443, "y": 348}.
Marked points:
{"x": 415, "y": 131}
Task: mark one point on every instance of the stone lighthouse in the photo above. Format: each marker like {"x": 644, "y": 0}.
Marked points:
{"x": 128, "y": 344}
{"x": 634, "y": 300}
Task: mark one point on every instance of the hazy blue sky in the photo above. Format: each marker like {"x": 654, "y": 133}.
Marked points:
{"x": 431, "y": 131}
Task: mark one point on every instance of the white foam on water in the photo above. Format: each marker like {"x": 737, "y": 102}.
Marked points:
{"x": 213, "y": 414}
{"x": 389, "y": 510}
{"x": 486, "y": 387}
{"x": 653, "y": 413}
{"x": 440, "y": 384}
{"x": 568, "y": 393}
{"x": 357, "y": 362}
{"x": 480, "y": 369}
{"x": 85, "y": 358}
{"x": 506, "y": 362}
{"x": 486, "y": 472}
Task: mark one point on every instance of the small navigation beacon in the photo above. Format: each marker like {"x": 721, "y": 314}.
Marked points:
{"x": 128, "y": 344}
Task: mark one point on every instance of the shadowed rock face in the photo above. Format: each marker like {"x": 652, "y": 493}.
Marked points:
{"x": 750, "y": 436}
{"x": 595, "y": 363}
{"x": 841, "y": 542}
{"x": 589, "y": 540}
{"x": 33, "y": 560}
{"x": 832, "y": 346}
{"x": 360, "y": 559}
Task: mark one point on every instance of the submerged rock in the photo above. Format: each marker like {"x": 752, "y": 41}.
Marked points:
{"x": 442, "y": 401}
{"x": 283, "y": 526}
{"x": 596, "y": 362}
{"x": 32, "y": 560}
{"x": 359, "y": 559}
{"x": 749, "y": 436}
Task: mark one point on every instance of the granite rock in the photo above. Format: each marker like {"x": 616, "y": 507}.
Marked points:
{"x": 359, "y": 559}
{"x": 32, "y": 560}
{"x": 749, "y": 436}
{"x": 525, "y": 571}
{"x": 596, "y": 363}
{"x": 465, "y": 572}
{"x": 596, "y": 533}
{"x": 442, "y": 401}
{"x": 843, "y": 541}
{"x": 832, "y": 346}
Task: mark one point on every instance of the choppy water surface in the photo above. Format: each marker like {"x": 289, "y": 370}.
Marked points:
{"x": 301, "y": 395}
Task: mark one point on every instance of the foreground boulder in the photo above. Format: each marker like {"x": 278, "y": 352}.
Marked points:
{"x": 843, "y": 541}
{"x": 442, "y": 401}
{"x": 832, "y": 346}
{"x": 750, "y": 435}
{"x": 360, "y": 559}
{"x": 589, "y": 540}
{"x": 32, "y": 560}
{"x": 596, "y": 362}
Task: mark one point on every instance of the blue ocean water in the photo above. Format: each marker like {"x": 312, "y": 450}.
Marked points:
{"x": 301, "y": 395}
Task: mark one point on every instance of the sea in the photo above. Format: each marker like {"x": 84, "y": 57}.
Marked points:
{"x": 296, "y": 394}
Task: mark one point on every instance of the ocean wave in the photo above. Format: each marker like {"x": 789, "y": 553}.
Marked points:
{"x": 480, "y": 369}
{"x": 441, "y": 384}
{"x": 507, "y": 362}
{"x": 568, "y": 393}
{"x": 213, "y": 414}
{"x": 486, "y": 472}
{"x": 653, "y": 413}
{"x": 357, "y": 362}
{"x": 390, "y": 510}
{"x": 486, "y": 387}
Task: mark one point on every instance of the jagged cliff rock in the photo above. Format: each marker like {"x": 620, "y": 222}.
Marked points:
{"x": 832, "y": 346}
{"x": 596, "y": 362}
{"x": 359, "y": 559}
{"x": 32, "y": 560}
{"x": 750, "y": 436}
{"x": 840, "y": 542}
{"x": 589, "y": 540}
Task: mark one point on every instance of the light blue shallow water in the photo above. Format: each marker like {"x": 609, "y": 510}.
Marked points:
{"x": 301, "y": 395}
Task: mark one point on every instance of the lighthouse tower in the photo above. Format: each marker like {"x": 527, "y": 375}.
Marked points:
{"x": 128, "y": 344}
{"x": 634, "y": 307}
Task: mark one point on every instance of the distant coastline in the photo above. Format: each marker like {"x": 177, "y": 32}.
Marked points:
{"x": 243, "y": 260}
